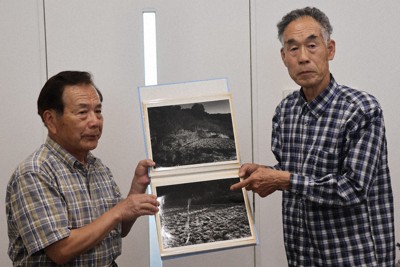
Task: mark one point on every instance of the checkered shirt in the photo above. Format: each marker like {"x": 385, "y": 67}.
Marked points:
{"x": 51, "y": 193}
{"x": 338, "y": 210}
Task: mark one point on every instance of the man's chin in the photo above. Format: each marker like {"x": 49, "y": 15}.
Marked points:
{"x": 90, "y": 145}
{"x": 306, "y": 83}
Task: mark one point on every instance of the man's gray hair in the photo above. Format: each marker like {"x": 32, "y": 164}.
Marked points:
{"x": 315, "y": 13}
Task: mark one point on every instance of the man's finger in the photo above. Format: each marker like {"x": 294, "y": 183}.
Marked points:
{"x": 239, "y": 185}
{"x": 145, "y": 163}
{"x": 243, "y": 170}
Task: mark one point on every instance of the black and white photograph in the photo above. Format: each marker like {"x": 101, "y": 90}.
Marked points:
{"x": 203, "y": 215}
{"x": 191, "y": 132}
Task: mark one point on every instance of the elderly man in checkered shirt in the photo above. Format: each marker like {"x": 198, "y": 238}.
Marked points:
{"x": 329, "y": 141}
{"x": 63, "y": 205}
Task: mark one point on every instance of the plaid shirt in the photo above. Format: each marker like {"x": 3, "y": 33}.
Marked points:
{"x": 339, "y": 208}
{"x": 51, "y": 193}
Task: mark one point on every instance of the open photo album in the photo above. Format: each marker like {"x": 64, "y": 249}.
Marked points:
{"x": 189, "y": 131}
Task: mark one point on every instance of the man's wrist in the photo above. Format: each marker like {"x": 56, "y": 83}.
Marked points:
{"x": 284, "y": 180}
{"x": 138, "y": 189}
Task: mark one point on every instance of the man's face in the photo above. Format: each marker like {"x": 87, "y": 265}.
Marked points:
{"x": 306, "y": 54}
{"x": 79, "y": 129}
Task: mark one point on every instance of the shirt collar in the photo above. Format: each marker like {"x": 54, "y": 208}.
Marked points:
{"x": 65, "y": 156}
{"x": 319, "y": 104}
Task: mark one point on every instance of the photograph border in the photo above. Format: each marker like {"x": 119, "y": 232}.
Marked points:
{"x": 184, "y": 169}
{"x": 196, "y": 248}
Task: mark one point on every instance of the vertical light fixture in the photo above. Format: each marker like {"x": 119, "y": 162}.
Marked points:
{"x": 150, "y": 78}
{"x": 150, "y": 47}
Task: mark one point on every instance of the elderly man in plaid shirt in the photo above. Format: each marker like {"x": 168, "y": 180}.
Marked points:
{"x": 63, "y": 205}
{"x": 329, "y": 141}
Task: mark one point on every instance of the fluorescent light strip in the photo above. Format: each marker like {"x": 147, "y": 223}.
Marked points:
{"x": 150, "y": 78}
{"x": 150, "y": 48}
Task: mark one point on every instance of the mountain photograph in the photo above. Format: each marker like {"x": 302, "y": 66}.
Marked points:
{"x": 193, "y": 133}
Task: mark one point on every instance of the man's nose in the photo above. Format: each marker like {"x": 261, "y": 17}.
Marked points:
{"x": 303, "y": 56}
{"x": 95, "y": 119}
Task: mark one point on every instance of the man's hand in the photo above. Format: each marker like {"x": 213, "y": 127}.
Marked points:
{"x": 137, "y": 202}
{"x": 141, "y": 178}
{"x": 262, "y": 180}
{"x": 136, "y": 205}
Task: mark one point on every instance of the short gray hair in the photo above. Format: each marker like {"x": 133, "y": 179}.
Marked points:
{"x": 315, "y": 13}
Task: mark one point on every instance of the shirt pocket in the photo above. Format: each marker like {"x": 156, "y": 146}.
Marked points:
{"x": 320, "y": 162}
{"x": 103, "y": 205}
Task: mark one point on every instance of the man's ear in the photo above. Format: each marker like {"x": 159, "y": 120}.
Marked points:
{"x": 331, "y": 49}
{"x": 50, "y": 120}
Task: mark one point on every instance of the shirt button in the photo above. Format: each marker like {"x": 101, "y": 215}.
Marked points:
{"x": 114, "y": 233}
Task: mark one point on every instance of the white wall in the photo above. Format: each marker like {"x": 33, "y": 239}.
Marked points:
{"x": 198, "y": 40}
{"x": 22, "y": 73}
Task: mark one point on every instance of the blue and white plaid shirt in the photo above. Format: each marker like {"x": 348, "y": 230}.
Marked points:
{"x": 51, "y": 193}
{"x": 339, "y": 208}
